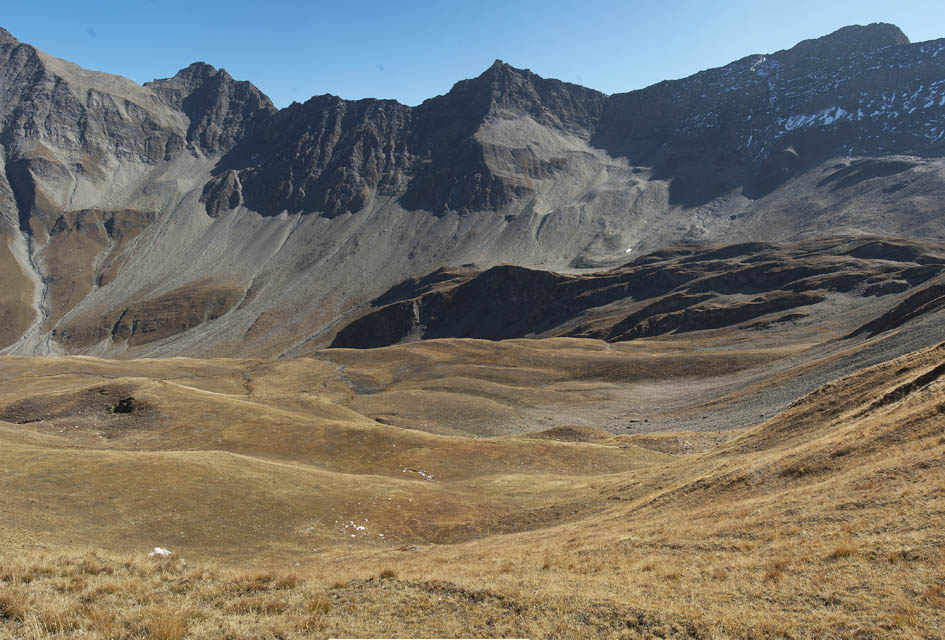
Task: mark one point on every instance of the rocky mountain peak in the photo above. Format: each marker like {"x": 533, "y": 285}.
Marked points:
{"x": 504, "y": 89}
{"x": 6, "y": 37}
{"x": 221, "y": 110}
{"x": 760, "y": 120}
{"x": 193, "y": 76}
{"x": 506, "y": 83}
{"x": 499, "y": 72}
{"x": 850, "y": 40}
{"x": 503, "y": 81}
{"x": 77, "y": 116}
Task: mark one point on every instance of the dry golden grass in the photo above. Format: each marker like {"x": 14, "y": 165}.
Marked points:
{"x": 14, "y": 604}
{"x": 825, "y": 521}
{"x": 165, "y": 623}
{"x": 844, "y": 549}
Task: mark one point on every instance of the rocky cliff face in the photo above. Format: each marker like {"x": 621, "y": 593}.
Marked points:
{"x": 189, "y": 215}
{"x": 327, "y": 155}
{"x": 221, "y": 110}
{"x": 334, "y": 156}
{"x": 46, "y": 100}
{"x": 751, "y": 124}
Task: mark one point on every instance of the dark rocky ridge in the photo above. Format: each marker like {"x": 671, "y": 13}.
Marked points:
{"x": 327, "y": 155}
{"x": 686, "y": 288}
{"x": 750, "y": 125}
{"x": 221, "y": 110}
{"x": 40, "y": 103}
{"x": 331, "y": 155}
{"x": 759, "y": 120}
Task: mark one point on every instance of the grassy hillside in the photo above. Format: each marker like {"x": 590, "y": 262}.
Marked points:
{"x": 291, "y": 514}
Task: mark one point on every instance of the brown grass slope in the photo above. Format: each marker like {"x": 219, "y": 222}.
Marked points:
{"x": 266, "y": 454}
{"x": 825, "y": 521}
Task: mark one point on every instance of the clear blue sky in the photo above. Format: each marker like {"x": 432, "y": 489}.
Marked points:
{"x": 413, "y": 50}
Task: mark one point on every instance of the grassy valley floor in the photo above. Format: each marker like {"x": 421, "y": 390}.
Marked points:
{"x": 292, "y": 514}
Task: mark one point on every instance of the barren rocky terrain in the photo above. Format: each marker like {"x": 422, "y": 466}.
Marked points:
{"x": 190, "y": 217}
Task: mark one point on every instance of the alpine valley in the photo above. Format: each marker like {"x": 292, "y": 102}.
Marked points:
{"x": 524, "y": 360}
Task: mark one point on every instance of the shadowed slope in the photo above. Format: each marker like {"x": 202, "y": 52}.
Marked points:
{"x": 674, "y": 290}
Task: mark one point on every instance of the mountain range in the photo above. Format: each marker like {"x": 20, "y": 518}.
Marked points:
{"x": 189, "y": 216}
{"x": 524, "y": 360}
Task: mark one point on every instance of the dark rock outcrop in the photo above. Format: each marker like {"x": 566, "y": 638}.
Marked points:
{"x": 328, "y": 155}
{"x": 222, "y": 111}
{"x": 677, "y": 290}
{"x": 925, "y": 301}
{"x": 335, "y": 156}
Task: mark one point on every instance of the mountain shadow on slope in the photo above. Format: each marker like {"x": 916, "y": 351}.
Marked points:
{"x": 688, "y": 288}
